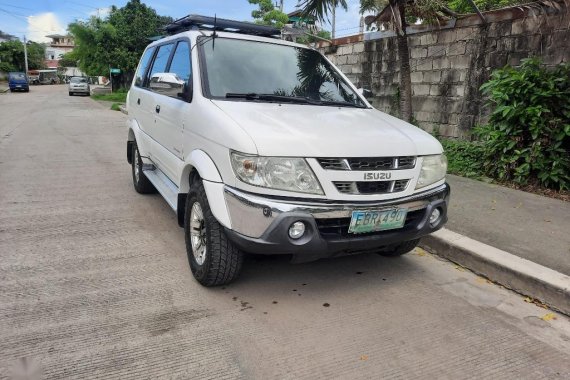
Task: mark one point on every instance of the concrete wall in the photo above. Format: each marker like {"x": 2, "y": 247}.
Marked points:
{"x": 451, "y": 63}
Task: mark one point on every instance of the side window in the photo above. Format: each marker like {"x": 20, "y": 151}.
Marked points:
{"x": 159, "y": 66}
{"x": 180, "y": 68}
{"x": 143, "y": 66}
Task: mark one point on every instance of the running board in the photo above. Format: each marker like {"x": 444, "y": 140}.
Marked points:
{"x": 164, "y": 185}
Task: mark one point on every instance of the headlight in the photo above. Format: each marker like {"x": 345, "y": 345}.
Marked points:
{"x": 433, "y": 170}
{"x": 290, "y": 174}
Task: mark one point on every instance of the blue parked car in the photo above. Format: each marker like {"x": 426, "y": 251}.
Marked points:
{"x": 18, "y": 81}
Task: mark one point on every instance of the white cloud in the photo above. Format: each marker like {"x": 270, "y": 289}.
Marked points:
{"x": 101, "y": 12}
{"x": 43, "y": 24}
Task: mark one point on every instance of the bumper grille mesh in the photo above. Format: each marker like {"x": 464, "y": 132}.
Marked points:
{"x": 368, "y": 163}
{"x": 376, "y": 187}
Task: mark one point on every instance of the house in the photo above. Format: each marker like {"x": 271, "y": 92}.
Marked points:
{"x": 58, "y": 46}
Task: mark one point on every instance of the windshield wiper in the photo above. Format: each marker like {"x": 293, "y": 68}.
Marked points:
{"x": 339, "y": 104}
{"x": 291, "y": 99}
{"x": 269, "y": 97}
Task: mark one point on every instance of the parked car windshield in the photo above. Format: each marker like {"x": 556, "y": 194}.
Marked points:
{"x": 261, "y": 71}
{"x": 17, "y": 76}
{"x": 78, "y": 80}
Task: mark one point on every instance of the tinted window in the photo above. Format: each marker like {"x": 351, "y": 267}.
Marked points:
{"x": 78, "y": 80}
{"x": 161, "y": 59}
{"x": 243, "y": 67}
{"x": 143, "y": 65}
{"x": 180, "y": 64}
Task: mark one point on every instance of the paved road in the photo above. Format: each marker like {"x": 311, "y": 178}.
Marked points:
{"x": 94, "y": 283}
{"x": 527, "y": 225}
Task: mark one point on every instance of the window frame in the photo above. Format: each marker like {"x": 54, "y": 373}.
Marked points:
{"x": 175, "y": 43}
{"x": 204, "y": 70}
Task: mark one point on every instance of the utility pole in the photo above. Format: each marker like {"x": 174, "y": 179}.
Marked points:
{"x": 25, "y": 56}
{"x": 281, "y": 6}
{"x": 334, "y": 20}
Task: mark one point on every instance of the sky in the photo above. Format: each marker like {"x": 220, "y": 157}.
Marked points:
{"x": 37, "y": 18}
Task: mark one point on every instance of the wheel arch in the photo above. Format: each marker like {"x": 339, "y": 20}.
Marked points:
{"x": 198, "y": 166}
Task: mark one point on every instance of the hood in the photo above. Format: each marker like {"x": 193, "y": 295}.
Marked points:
{"x": 301, "y": 130}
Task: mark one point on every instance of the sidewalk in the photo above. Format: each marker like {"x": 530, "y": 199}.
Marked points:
{"x": 530, "y": 226}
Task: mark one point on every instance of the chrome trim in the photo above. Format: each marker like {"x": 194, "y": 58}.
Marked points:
{"x": 252, "y": 214}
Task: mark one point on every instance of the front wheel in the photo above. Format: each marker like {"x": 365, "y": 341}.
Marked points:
{"x": 400, "y": 249}
{"x": 214, "y": 260}
{"x": 71, "y": 94}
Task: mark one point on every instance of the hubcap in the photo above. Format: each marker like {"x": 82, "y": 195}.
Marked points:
{"x": 137, "y": 165}
{"x": 198, "y": 233}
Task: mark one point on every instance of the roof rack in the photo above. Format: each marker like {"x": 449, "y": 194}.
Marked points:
{"x": 195, "y": 22}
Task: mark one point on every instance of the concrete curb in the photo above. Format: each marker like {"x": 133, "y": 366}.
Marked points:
{"x": 123, "y": 109}
{"x": 513, "y": 272}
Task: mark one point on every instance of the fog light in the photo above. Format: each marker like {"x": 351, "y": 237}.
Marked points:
{"x": 297, "y": 230}
{"x": 434, "y": 217}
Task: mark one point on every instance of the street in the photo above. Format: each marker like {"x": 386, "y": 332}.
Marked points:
{"x": 95, "y": 283}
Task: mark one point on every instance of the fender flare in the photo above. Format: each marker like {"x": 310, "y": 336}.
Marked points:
{"x": 201, "y": 162}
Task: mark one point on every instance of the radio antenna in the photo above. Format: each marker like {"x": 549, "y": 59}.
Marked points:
{"x": 214, "y": 35}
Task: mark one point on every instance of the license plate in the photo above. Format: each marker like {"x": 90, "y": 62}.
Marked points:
{"x": 18, "y": 86}
{"x": 370, "y": 221}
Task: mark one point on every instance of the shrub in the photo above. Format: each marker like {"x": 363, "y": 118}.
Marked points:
{"x": 527, "y": 140}
{"x": 463, "y": 157}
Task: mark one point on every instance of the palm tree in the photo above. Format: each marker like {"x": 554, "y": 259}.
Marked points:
{"x": 397, "y": 10}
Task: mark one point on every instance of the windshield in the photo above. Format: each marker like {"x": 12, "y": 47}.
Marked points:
{"x": 239, "y": 67}
{"x": 17, "y": 76}
{"x": 78, "y": 80}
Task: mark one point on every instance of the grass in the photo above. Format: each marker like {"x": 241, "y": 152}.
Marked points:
{"x": 115, "y": 106}
{"x": 120, "y": 97}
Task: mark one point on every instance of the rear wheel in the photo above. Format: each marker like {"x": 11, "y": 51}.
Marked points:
{"x": 400, "y": 249}
{"x": 140, "y": 181}
{"x": 214, "y": 260}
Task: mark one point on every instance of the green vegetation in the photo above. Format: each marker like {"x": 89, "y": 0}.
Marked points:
{"x": 527, "y": 139}
{"x": 116, "y": 41}
{"x": 464, "y": 157}
{"x": 266, "y": 14}
{"x": 116, "y": 106}
{"x": 120, "y": 96}
{"x": 12, "y": 56}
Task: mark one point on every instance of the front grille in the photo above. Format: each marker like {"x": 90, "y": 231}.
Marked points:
{"x": 338, "y": 227}
{"x": 375, "y": 187}
{"x": 368, "y": 163}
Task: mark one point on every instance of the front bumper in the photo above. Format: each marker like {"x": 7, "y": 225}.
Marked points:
{"x": 260, "y": 225}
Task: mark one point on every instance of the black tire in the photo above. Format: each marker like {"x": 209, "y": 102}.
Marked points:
{"x": 400, "y": 249}
{"x": 71, "y": 94}
{"x": 140, "y": 182}
{"x": 222, "y": 261}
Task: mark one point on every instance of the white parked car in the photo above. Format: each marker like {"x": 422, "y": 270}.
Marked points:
{"x": 263, "y": 146}
{"x": 79, "y": 85}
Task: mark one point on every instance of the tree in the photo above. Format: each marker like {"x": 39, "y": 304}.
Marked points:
{"x": 12, "y": 55}
{"x": 117, "y": 41}
{"x": 68, "y": 59}
{"x": 267, "y": 14}
{"x": 402, "y": 12}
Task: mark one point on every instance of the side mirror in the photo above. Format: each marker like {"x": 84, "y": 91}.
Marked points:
{"x": 170, "y": 84}
{"x": 187, "y": 92}
{"x": 365, "y": 92}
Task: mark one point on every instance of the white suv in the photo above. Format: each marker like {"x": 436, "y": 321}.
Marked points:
{"x": 264, "y": 146}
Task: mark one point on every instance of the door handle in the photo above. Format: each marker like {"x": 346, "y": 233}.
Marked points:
{"x": 157, "y": 109}
{"x": 139, "y": 101}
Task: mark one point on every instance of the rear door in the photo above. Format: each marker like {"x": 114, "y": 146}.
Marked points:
{"x": 140, "y": 102}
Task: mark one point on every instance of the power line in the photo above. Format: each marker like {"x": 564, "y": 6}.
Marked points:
{"x": 15, "y": 6}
